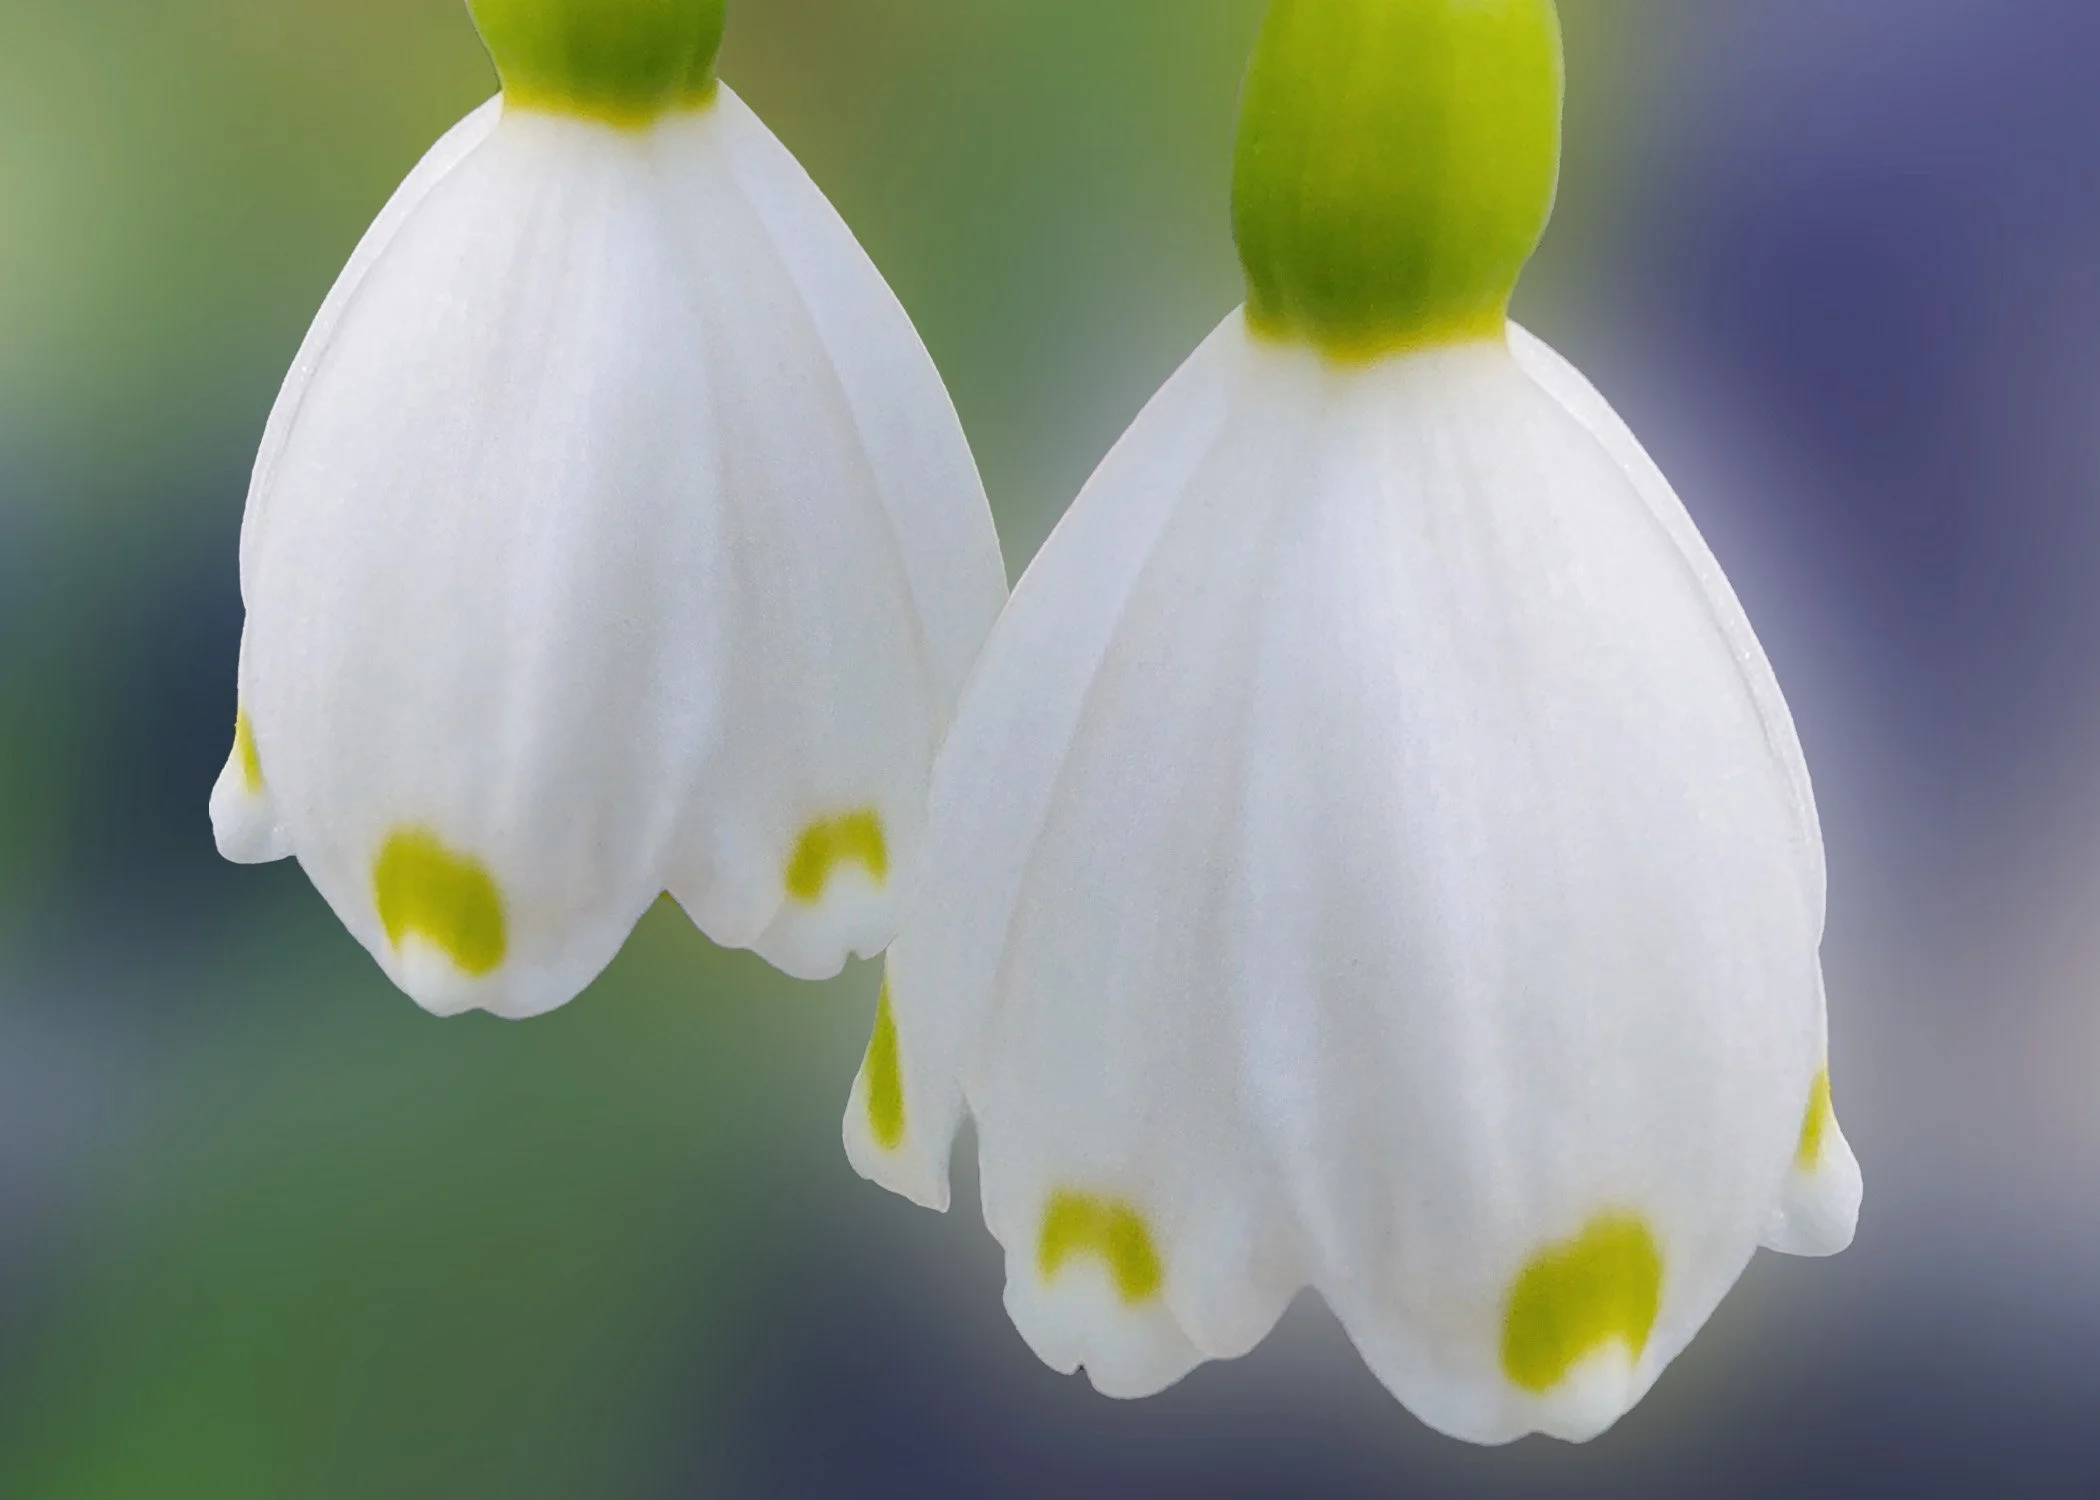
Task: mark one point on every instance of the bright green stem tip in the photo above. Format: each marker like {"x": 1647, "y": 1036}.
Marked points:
{"x": 624, "y": 62}
{"x": 1397, "y": 165}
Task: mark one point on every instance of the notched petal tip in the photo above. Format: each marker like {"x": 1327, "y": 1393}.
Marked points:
{"x": 1089, "y": 1290}
{"x": 1819, "y": 1211}
{"x": 445, "y": 920}
{"x": 839, "y": 897}
{"x": 449, "y": 900}
{"x": 1579, "y": 1319}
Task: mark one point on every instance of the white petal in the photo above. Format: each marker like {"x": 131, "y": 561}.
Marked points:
{"x": 577, "y": 580}
{"x": 454, "y": 147}
{"x": 1528, "y": 852}
{"x": 477, "y": 501}
{"x": 1362, "y": 860}
{"x": 999, "y": 777}
{"x": 1572, "y": 389}
{"x": 1823, "y": 1198}
{"x": 866, "y": 572}
{"x": 1069, "y": 1065}
{"x": 918, "y": 466}
{"x": 244, "y": 815}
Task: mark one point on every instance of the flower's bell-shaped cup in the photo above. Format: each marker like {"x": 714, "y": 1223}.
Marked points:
{"x": 1374, "y": 853}
{"x": 613, "y": 535}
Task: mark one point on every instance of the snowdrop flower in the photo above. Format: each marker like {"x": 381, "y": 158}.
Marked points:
{"x": 613, "y": 535}
{"x": 1374, "y": 853}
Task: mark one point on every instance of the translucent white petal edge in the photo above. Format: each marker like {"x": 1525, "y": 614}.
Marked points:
{"x": 1586, "y": 404}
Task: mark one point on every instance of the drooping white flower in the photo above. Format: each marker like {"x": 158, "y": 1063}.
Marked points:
{"x": 1374, "y": 853}
{"x": 613, "y": 535}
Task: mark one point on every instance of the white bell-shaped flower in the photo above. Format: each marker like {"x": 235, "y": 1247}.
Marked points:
{"x": 613, "y": 535}
{"x": 1374, "y": 853}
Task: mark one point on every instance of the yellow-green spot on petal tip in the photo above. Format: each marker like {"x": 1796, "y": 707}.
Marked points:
{"x": 885, "y": 1075}
{"x": 1603, "y": 1287}
{"x": 449, "y": 900}
{"x": 1816, "y": 1124}
{"x": 625, "y": 63}
{"x": 250, "y": 757}
{"x": 1113, "y": 1232}
{"x": 1397, "y": 165}
{"x": 856, "y": 839}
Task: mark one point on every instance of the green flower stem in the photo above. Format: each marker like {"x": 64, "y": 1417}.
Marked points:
{"x": 1397, "y": 165}
{"x": 623, "y": 62}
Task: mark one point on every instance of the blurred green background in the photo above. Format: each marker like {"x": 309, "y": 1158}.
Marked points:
{"x": 266, "y": 1230}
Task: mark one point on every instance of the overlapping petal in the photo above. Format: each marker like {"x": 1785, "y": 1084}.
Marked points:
{"x": 1373, "y": 855}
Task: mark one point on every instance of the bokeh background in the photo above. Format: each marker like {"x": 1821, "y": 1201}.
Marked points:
{"x": 267, "y": 1231}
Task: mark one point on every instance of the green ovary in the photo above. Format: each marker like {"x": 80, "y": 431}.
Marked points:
{"x": 626, "y": 63}
{"x": 1397, "y": 166}
{"x": 855, "y": 839}
{"x": 885, "y": 1076}
{"x": 1601, "y": 1288}
{"x": 450, "y": 901}
{"x": 1114, "y": 1233}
